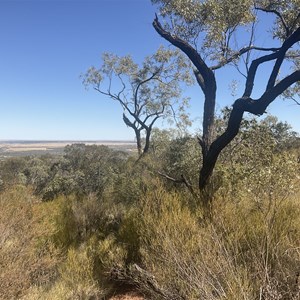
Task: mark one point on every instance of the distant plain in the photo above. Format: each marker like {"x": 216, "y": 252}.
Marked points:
{"x": 28, "y": 148}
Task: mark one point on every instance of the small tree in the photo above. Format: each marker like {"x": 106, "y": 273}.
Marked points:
{"x": 146, "y": 92}
{"x": 206, "y": 31}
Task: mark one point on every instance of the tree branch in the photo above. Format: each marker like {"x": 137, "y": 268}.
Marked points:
{"x": 240, "y": 53}
{"x": 117, "y": 98}
{"x": 294, "y": 38}
{"x": 140, "y": 84}
{"x": 278, "y": 14}
{"x": 270, "y": 95}
{"x": 205, "y": 78}
{"x": 240, "y": 106}
{"x": 136, "y": 276}
{"x": 278, "y": 55}
{"x": 181, "y": 180}
{"x": 123, "y": 85}
{"x": 297, "y": 102}
{"x": 193, "y": 55}
{"x": 199, "y": 79}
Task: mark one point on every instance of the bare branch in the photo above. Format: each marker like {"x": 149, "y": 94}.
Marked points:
{"x": 128, "y": 122}
{"x": 193, "y": 55}
{"x": 252, "y": 72}
{"x": 271, "y": 94}
{"x": 297, "y": 102}
{"x": 294, "y": 38}
{"x": 250, "y": 43}
{"x": 115, "y": 97}
{"x": 140, "y": 84}
{"x": 123, "y": 85}
{"x": 182, "y": 179}
{"x": 278, "y": 55}
{"x": 240, "y": 53}
{"x": 278, "y": 14}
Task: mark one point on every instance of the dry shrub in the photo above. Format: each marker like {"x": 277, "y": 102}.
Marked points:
{"x": 265, "y": 240}
{"x": 84, "y": 274}
{"x": 188, "y": 259}
{"x": 245, "y": 252}
{"x": 77, "y": 276}
{"x": 84, "y": 230}
{"x": 26, "y": 258}
{"x": 77, "y": 219}
{"x": 87, "y": 254}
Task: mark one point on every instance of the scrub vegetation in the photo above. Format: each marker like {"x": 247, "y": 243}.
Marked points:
{"x": 210, "y": 216}
{"x": 94, "y": 221}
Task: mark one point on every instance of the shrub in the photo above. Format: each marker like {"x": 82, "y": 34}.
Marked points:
{"x": 265, "y": 241}
{"x": 244, "y": 253}
{"x": 27, "y": 258}
{"x": 187, "y": 257}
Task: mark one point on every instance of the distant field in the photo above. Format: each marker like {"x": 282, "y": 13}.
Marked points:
{"x": 24, "y": 148}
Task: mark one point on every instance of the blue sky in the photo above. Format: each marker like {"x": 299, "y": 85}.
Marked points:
{"x": 46, "y": 45}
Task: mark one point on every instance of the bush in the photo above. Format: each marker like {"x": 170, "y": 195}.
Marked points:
{"x": 27, "y": 258}
{"x": 187, "y": 257}
{"x": 112, "y": 221}
{"x": 245, "y": 253}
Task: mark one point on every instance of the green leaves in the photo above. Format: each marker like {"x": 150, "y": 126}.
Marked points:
{"x": 214, "y": 26}
{"x": 260, "y": 162}
{"x": 287, "y": 15}
{"x": 146, "y": 91}
{"x": 206, "y": 24}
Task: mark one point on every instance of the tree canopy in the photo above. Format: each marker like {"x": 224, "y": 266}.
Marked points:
{"x": 209, "y": 32}
{"x": 147, "y": 91}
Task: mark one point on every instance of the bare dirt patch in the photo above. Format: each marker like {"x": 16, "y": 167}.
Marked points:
{"x": 128, "y": 296}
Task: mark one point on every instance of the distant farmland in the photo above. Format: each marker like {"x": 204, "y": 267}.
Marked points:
{"x": 25, "y": 148}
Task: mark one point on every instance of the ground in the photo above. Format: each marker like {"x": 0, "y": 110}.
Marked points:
{"x": 128, "y": 296}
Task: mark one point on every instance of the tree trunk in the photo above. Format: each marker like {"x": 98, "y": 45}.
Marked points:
{"x": 211, "y": 149}
{"x": 147, "y": 141}
{"x": 138, "y": 142}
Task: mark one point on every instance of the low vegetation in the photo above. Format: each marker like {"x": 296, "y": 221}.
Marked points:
{"x": 94, "y": 221}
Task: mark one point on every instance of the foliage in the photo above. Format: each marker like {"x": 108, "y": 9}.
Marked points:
{"x": 177, "y": 156}
{"x": 82, "y": 170}
{"x": 141, "y": 231}
{"x": 245, "y": 253}
{"x": 208, "y": 32}
{"x": 211, "y": 23}
{"x": 27, "y": 257}
{"x": 146, "y": 92}
{"x": 187, "y": 257}
{"x": 261, "y": 150}
{"x": 11, "y": 171}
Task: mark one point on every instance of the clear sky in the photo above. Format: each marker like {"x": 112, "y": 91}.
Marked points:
{"x": 44, "y": 47}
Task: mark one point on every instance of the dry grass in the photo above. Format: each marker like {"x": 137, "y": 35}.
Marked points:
{"x": 245, "y": 253}
{"x": 26, "y": 258}
{"x": 53, "y": 250}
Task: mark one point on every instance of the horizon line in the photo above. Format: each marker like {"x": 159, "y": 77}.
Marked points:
{"x": 66, "y": 140}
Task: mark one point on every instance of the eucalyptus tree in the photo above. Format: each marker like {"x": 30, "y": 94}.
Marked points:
{"x": 208, "y": 32}
{"x": 146, "y": 92}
